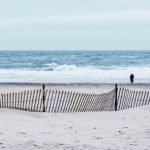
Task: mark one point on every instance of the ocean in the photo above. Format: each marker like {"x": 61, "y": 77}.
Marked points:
{"x": 74, "y": 66}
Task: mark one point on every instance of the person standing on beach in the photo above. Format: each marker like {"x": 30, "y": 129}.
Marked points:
{"x": 131, "y": 78}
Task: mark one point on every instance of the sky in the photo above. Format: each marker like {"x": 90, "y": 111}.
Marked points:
{"x": 74, "y": 24}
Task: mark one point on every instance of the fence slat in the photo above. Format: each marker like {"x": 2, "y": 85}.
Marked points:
{"x": 137, "y": 101}
{"x": 67, "y": 101}
{"x": 142, "y": 102}
{"x": 146, "y": 98}
{"x": 84, "y": 103}
{"x": 79, "y": 102}
{"x": 76, "y": 102}
{"x": 73, "y": 100}
{"x": 62, "y": 103}
{"x": 97, "y": 106}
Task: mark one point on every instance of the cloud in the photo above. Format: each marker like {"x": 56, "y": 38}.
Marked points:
{"x": 116, "y": 16}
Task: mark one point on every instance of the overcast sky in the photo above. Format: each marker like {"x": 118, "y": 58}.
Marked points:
{"x": 74, "y": 24}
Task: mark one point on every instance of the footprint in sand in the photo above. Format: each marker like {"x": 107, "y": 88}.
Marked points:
{"x": 32, "y": 144}
{"x": 70, "y": 127}
{"x": 61, "y": 144}
{"x": 22, "y": 133}
{"x": 121, "y": 132}
{"x": 97, "y": 138}
{"x": 125, "y": 127}
{"x": 3, "y": 147}
{"x": 35, "y": 145}
{"x": 132, "y": 144}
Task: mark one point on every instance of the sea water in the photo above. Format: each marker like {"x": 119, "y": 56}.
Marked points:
{"x": 74, "y": 66}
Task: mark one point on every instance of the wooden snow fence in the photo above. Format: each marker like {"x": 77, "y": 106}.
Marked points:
{"x": 132, "y": 98}
{"x": 58, "y": 101}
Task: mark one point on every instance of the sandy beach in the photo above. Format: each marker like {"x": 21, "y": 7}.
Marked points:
{"x": 125, "y": 129}
{"x": 78, "y": 87}
{"x": 122, "y": 130}
{"x": 83, "y": 88}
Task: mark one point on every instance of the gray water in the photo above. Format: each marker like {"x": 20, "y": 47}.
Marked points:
{"x": 74, "y": 66}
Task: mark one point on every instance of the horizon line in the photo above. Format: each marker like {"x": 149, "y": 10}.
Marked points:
{"x": 74, "y": 49}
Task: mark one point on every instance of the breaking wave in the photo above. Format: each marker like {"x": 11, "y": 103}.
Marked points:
{"x": 54, "y": 73}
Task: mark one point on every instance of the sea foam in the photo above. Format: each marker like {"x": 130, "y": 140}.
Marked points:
{"x": 74, "y": 74}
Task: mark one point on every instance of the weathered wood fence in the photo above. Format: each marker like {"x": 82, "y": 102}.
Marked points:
{"x": 59, "y": 101}
{"x": 132, "y": 98}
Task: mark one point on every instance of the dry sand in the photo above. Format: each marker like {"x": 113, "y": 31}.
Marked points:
{"x": 84, "y": 88}
{"x": 122, "y": 130}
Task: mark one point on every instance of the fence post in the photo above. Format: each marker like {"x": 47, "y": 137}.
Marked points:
{"x": 116, "y": 101}
{"x": 43, "y": 98}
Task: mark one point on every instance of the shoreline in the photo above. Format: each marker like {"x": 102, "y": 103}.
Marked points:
{"x": 51, "y": 83}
